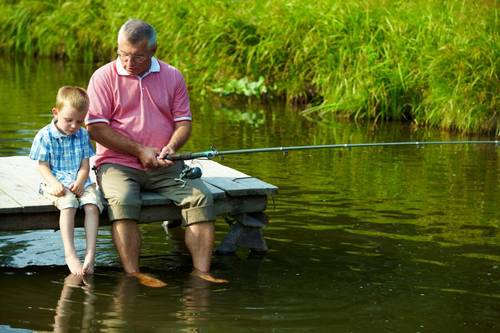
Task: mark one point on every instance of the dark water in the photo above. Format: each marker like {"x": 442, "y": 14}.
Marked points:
{"x": 394, "y": 239}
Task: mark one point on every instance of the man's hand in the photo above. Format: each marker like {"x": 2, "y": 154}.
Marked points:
{"x": 147, "y": 157}
{"x": 151, "y": 158}
{"x": 167, "y": 150}
{"x": 77, "y": 188}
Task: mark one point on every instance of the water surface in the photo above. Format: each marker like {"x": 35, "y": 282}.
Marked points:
{"x": 396, "y": 239}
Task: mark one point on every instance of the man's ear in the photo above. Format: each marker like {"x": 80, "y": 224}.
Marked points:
{"x": 153, "y": 50}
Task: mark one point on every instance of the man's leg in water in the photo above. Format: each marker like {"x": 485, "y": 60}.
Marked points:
{"x": 121, "y": 187}
{"x": 197, "y": 210}
{"x": 127, "y": 240}
{"x": 199, "y": 238}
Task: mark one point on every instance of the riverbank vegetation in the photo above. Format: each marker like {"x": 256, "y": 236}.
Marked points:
{"x": 434, "y": 63}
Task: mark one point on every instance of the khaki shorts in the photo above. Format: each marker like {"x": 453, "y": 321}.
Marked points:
{"x": 121, "y": 186}
{"x": 70, "y": 200}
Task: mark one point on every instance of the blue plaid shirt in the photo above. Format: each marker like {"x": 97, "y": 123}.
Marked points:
{"x": 63, "y": 152}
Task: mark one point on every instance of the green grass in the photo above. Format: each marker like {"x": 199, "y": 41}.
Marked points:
{"x": 434, "y": 63}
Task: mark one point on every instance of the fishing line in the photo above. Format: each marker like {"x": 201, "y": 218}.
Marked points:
{"x": 214, "y": 152}
{"x": 195, "y": 172}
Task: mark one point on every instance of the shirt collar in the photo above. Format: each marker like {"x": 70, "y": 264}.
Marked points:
{"x": 155, "y": 67}
{"x": 56, "y": 133}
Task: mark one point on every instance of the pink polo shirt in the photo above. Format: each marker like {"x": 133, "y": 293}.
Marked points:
{"x": 144, "y": 109}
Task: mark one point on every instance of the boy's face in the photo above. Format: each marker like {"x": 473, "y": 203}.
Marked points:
{"x": 68, "y": 119}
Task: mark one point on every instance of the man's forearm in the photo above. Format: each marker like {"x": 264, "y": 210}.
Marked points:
{"x": 180, "y": 136}
{"x": 113, "y": 140}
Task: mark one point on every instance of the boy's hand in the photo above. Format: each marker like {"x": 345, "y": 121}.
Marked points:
{"x": 77, "y": 188}
{"x": 57, "y": 189}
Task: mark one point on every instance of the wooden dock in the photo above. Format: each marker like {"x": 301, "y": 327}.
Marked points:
{"x": 238, "y": 197}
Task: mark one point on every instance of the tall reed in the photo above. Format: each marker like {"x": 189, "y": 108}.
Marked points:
{"x": 430, "y": 62}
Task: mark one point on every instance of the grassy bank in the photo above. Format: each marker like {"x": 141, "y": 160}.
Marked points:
{"x": 432, "y": 62}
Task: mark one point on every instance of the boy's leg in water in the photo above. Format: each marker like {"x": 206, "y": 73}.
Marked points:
{"x": 67, "y": 227}
{"x": 91, "y": 225}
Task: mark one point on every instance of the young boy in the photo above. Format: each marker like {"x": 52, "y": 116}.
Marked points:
{"x": 62, "y": 150}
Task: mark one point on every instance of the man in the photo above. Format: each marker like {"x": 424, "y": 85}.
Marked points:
{"x": 139, "y": 113}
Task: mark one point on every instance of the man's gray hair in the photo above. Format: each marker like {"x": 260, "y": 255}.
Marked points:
{"x": 135, "y": 31}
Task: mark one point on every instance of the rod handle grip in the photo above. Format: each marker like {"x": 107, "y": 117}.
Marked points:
{"x": 178, "y": 157}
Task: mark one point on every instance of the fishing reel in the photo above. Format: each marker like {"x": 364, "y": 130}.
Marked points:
{"x": 189, "y": 173}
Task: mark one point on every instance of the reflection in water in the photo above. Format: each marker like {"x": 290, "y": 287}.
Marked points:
{"x": 195, "y": 300}
{"x": 66, "y": 315}
{"x": 123, "y": 304}
{"x": 127, "y": 308}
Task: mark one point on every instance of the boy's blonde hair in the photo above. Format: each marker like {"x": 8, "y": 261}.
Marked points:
{"x": 75, "y": 97}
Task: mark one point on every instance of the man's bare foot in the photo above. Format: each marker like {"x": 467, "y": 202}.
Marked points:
{"x": 88, "y": 264}
{"x": 149, "y": 281}
{"x": 207, "y": 276}
{"x": 74, "y": 265}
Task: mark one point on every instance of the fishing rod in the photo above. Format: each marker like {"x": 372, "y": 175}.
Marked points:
{"x": 214, "y": 152}
{"x": 195, "y": 172}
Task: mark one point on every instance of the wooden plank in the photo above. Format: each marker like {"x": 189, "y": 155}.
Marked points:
{"x": 17, "y": 182}
{"x": 22, "y": 207}
{"x": 23, "y": 169}
{"x": 217, "y": 193}
{"x": 8, "y": 204}
{"x": 242, "y": 186}
{"x": 149, "y": 214}
{"x": 24, "y": 166}
{"x": 213, "y": 169}
{"x": 23, "y": 184}
{"x": 231, "y": 181}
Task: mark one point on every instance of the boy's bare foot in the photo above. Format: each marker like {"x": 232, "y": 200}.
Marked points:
{"x": 73, "y": 280}
{"x": 149, "y": 281}
{"x": 88, "y": 264}
{"x": 74, "y": 265}
{"x": 207, "y": 276}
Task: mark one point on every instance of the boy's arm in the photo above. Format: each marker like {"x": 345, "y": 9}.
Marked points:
{"x": 57, "y": 188}
{"x": 78, "y": 187}
{"x": 83, "y": 172}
